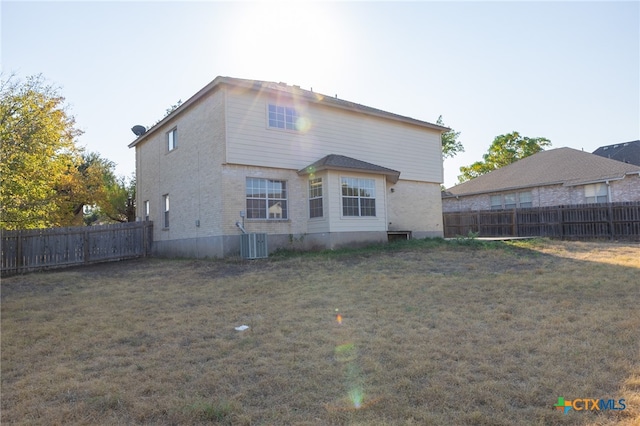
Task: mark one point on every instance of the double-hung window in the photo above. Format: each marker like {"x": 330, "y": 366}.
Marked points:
{"x": 266, "y": 199}
{"x": 358, "y": 197}
{"x": 172, "y": 139}
{"x": 496, "y": 202}
{"x": 282, "y": 117}
{"x": 596, "y": 193}
{"x": 510, "y": 201}
{"x": 315, "y": 197}
{"x": 525, "y": 199}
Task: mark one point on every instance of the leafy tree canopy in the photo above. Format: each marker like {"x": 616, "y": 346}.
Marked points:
{"x": 45, "y": 178}
{"x": 504, "y": 150}
{"x": 451, "y": 146}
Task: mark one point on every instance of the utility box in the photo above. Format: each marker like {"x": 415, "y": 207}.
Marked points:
{"x": 253, "y": 246}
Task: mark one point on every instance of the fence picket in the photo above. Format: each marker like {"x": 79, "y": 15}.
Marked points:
{"x": 582, "y": 221}
{"x": 29, "y": 250}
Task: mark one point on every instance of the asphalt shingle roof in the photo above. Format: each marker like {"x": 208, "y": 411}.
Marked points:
{"x": 627, "y": 152}
{"x": 342, "y": 162}
{"x": 566, "y": 166}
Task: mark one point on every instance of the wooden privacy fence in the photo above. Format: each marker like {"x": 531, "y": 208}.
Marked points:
{"x": 29, "y": 250}
{"x": 582, "y": 221}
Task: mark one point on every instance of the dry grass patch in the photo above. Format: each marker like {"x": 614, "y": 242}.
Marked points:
{"x": 430, "y": 334}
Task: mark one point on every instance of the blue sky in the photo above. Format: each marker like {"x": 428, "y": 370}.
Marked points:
{"x": 567, "y": 71}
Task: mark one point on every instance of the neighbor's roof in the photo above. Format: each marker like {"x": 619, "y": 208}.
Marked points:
{"x": 566, "y": 166}
{"x": 341, "y": 162}
{"x": 627, "y": 152}
{"x": 282, "y": 88}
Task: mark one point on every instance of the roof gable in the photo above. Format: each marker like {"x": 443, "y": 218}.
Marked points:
{"x": 566, "y": 166}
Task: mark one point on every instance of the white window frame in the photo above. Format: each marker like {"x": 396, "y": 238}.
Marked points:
{"x": 172, "y": 139}
{"x": 316, "y": 204}
{"x": 527, "y": 196}
{"x": 360, "y": 190}
{"x": 494, "y": 205}
{"x": 596, "y": 193}
{"x": 165, "y": 209}
{"x": 263, "y": 193}
{"x": 282, "y": 117}
{"x": 510, "y": 201}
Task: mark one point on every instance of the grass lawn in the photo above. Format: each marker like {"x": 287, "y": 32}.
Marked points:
{"x": 431, "y": 332}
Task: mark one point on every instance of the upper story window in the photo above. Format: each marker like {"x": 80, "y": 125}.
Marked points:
{"x": 358, "y": 197}
{"x": 147, "y": 210}
{"x": 172, "y": 139}
{"x": 266, "y": 199}
{"x": 315, "y": 198}
{"x": 596, "y": 193}
{"x": 282, "y": 117}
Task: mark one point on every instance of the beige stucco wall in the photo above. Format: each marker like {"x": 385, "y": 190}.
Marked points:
{"x": 627, "y": 189}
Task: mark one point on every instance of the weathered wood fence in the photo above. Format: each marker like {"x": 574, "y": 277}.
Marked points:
{"x": 619, "y": 221}
{"x": 30, "y": 250}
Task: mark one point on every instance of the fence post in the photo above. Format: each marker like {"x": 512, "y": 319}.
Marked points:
{"x": 560, "y": 223}
{"x": 85, "y": 243}
{"x": 19, "y": 259}
{"x": 611, "y": 230}
{"x": 516, "y": 231}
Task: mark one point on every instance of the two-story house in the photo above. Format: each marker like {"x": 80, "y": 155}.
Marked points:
{"x": 311, "y": 171}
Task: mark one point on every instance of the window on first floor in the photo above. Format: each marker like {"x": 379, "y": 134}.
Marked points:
{"x": 524, "y": 199}
{"x": 511, "y": 200}
{"x": 147, "y": 210}
{"x": 315, "y": 198}
{"x": 596, "y": 193}
{"x": 266, "y": 199}
{"x": 358, "y": 197}
{"x": 496, "y": 202}
{"x": 165, "y": 202}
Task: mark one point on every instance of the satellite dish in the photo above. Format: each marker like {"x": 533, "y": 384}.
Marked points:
{"x": 139, "y": 130}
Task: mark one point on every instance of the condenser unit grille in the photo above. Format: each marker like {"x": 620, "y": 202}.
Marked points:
{"x": 253, "y": 246}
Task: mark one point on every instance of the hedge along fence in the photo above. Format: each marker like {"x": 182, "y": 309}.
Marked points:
{"x": 30, "y": 250}
{"x": 619, "y": 221}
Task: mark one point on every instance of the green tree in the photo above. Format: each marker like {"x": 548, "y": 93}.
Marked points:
{"x": 118, "y": 205}
{"x": 45, "y": 178}
{"x": 504, "y": 150}
{"x": 38, "y": 153}
{"x": 450, "y": 144}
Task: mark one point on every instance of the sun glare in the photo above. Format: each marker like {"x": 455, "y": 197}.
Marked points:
{"x": 297, "y": 43}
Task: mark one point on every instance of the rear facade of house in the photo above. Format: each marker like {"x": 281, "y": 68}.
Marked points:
{"x": 309, "y": 171}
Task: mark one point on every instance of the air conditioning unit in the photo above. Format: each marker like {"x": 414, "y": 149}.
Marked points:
{"x": 253, "y": 246}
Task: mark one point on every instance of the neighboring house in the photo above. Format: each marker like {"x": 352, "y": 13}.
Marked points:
{"x": 307, "y": 169}
{"x": 627, "y": 152}
{"x": 549, "y": 178}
